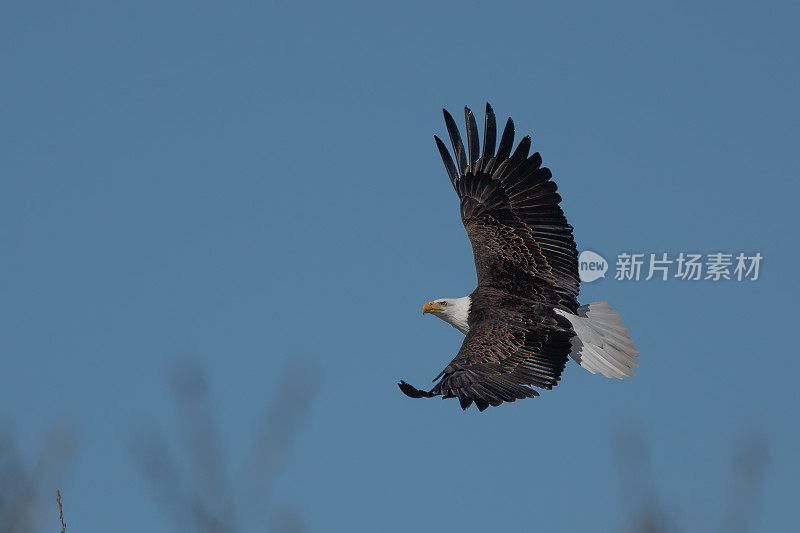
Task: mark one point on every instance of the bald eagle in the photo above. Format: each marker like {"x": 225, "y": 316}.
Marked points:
{"x": 523, "y": 320}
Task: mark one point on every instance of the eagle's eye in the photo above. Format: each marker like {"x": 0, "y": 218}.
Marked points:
{"x": 443, "y": 304}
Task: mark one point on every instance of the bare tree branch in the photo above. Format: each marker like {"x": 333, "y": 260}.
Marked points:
{"x": 60, "y": 511}
{"x": 200, "y": 499}
{"x": 23, "y": 488}
{"x": 646, "y": 511}
{"x": 747, "y": 484}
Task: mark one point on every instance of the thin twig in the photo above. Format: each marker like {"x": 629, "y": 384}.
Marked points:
{"x": 60, "y": 512}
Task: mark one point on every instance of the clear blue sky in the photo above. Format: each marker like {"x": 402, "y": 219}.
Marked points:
{"x": 257, "y": 183}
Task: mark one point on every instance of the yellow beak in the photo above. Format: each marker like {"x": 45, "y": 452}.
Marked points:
{"x": 430, "y": 307}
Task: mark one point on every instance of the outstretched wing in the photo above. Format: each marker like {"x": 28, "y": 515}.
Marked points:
{"x": 520, "y": 237}
{"x": 500, "y": 359}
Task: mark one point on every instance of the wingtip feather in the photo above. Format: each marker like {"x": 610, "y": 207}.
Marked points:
{"x": 413, "y": 392}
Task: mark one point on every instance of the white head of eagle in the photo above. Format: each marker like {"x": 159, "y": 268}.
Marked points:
{"x": 454, "y": 311}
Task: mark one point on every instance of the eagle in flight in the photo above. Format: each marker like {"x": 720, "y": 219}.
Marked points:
{"x": 523, "y": 320}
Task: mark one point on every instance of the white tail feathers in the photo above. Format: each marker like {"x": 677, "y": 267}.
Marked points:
{"x": 601, "y": 343}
